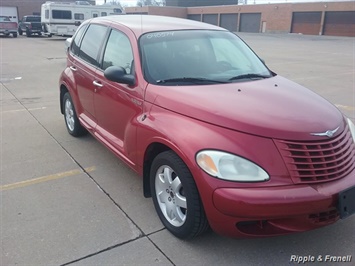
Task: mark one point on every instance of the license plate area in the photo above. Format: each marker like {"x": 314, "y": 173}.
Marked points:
{"x": 346, "y": 205}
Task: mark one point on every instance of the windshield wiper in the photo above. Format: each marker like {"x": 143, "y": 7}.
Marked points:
{"x": 250, "y": 76}
{"x": 192, "y": 80}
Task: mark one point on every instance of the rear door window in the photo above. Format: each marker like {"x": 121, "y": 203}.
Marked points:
{"x": 75, "y": 47}
{"x": 91, "y": 43}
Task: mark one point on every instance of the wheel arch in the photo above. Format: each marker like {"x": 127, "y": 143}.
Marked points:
{"x": 151, "y": 152}
{"x": 63, "y": 90}
{"x": 153, "y": 149}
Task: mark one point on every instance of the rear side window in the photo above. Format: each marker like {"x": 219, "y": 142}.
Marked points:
{"x": 90, "y": 45}
{"x": 75, "y": 47}
{"x": 61, "y": 14}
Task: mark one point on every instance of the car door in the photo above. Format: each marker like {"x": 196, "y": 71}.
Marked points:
{"x": 117, "y": 105}
{"x": 84, "y": 66}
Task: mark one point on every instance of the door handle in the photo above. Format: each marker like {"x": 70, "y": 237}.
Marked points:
{"x": 97, "y": 84}
{"x": 73, "y": 68}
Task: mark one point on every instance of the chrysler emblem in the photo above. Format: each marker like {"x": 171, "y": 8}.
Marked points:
{"x": 329, "y": 133}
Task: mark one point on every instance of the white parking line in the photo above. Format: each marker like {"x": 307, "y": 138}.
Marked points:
{"x": 21, "y": 110}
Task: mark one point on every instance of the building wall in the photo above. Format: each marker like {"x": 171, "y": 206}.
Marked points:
{"x": 187, "y": 3}
{"x": 30, "y": 7}
{"x": 275, "y": 18}
{"x": 179, "y": 12}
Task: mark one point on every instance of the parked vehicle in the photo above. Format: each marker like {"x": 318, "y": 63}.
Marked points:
{"x": 9, "y": 11}
{"x": 8, "y": 27}
{"x": 30, "y": 25}
{"x": 60, "y": 18}
{"x": 219, "y": 139}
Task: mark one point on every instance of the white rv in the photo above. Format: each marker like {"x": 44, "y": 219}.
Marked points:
{"x": 61, "y": 18}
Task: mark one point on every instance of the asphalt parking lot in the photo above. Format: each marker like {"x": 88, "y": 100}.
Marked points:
{"x": 69, "y": 201}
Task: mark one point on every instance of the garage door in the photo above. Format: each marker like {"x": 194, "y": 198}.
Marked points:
{"x": 306, "y": 22}
{"x": 196, "y": 17}
{"x": 211, "y": 19}
{"x": 250, "y": 22}
{"x": 229, "y": 21}
{"x": 339, "y": 23}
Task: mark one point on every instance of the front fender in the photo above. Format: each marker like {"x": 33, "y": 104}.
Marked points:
{"x": 67, "y": 83}
{"x": 186, "y": 136}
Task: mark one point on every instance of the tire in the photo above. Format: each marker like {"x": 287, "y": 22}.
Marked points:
{"x": 174, "y": 192}
{"x": 20, "y": 31}
{"x": 14, "y": 35}
{"x": 71, "y": 120}
{"x": 28, "y": 33}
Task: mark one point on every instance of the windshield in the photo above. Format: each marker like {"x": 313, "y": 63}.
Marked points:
{"x": 198, "y": 57}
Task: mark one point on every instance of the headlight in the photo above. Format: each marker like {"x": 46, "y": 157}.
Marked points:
{"x": 230, "y": 167}
{"x": 352, "y": 128}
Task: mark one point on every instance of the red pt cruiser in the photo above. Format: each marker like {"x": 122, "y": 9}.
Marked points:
{"x": 219, "y": 139}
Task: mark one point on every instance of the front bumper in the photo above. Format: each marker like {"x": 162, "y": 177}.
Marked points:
{"x": 268, "y": 211}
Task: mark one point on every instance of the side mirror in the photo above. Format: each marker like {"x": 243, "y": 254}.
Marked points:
{"x": 118, "y": 74}
{"x": 77, "y": 23}
{"x": 67, "y": 44}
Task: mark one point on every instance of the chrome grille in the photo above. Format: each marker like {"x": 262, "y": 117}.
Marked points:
{"x": 319, "y": 161}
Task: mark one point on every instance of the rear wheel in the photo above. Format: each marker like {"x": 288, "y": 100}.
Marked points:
{"x": 71, "y": 120}
{"x": 20, "y": 31}
{"x": 175, "y": 196}
{"x": 14, "y": 35}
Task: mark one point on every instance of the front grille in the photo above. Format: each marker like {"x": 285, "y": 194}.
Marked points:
{"x": 319, "y": 161}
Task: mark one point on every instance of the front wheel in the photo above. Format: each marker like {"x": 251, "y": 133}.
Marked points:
{"x": 71, "y": 120}
{"x": 175, "y": 196}
{"x": 28, "y": 33}
{"x": 20, "y": 31}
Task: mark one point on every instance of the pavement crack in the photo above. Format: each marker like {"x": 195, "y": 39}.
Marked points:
{"x": 100, "y": 251}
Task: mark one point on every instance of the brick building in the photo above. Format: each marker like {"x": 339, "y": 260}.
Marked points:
{"x": 317, "y": 18}
{"x": 189, "y": 3}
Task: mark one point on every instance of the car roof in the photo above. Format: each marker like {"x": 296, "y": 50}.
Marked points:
{"x": 141, "y": 24}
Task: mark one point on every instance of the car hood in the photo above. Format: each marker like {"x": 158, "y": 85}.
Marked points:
{"x": 273, "y": 107}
